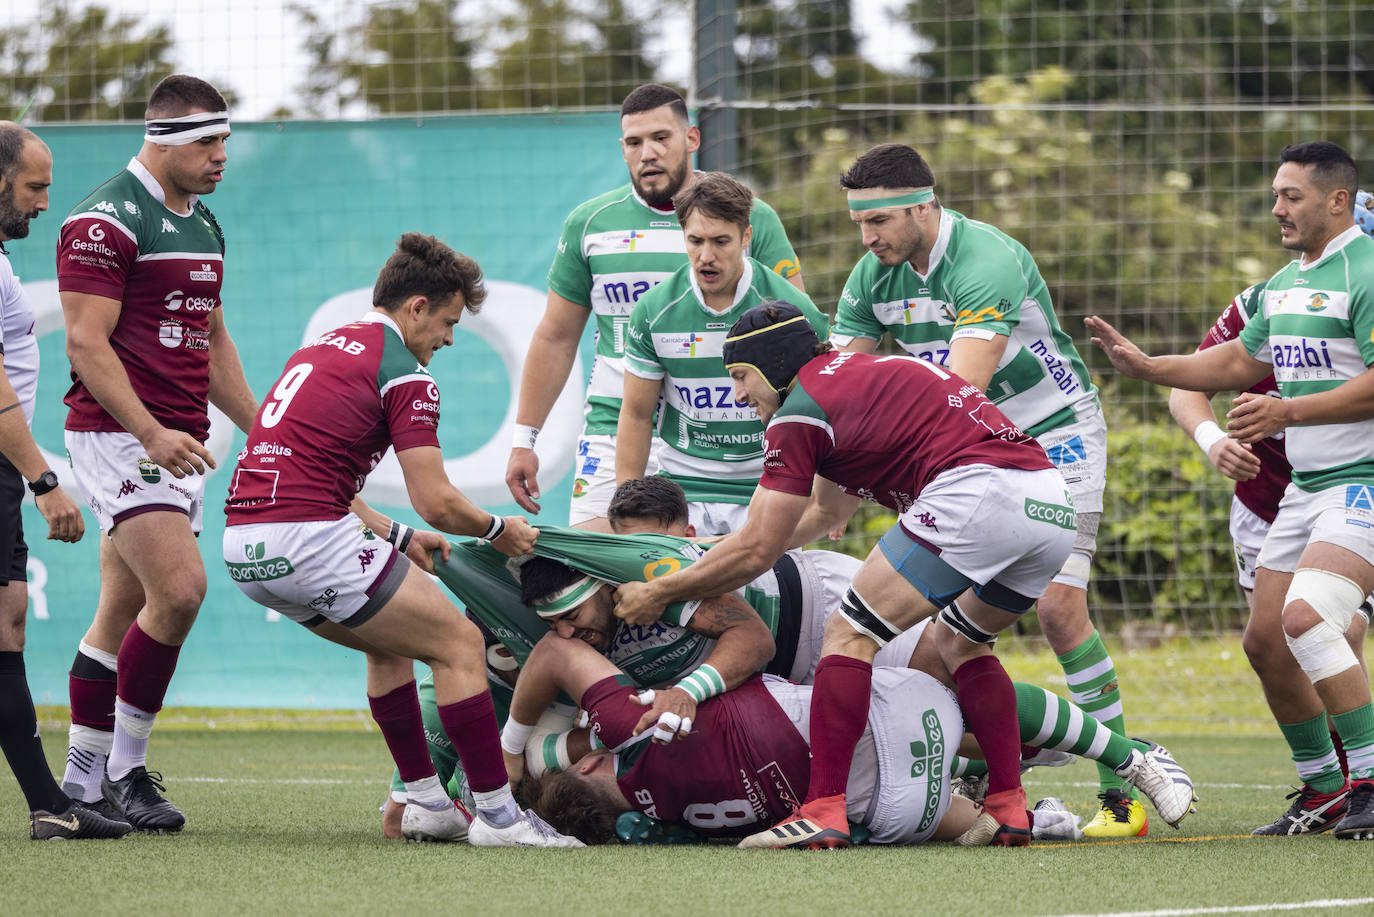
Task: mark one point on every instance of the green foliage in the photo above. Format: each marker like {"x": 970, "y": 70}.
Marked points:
{"x": 1163, "y": 552}
{"x": 90, "y": 65}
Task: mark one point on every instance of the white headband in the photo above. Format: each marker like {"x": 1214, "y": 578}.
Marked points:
{"x": 187, "y": 128}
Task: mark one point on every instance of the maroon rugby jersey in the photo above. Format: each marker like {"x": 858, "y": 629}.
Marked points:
{"x": 165, "y": 270}
{"x": 328, "y": 420}
{"x": 748, "y": 764}
{"x": 884, "y": 427}
{"x": 1262, "y": 493}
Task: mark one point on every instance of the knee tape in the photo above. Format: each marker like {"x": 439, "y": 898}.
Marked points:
{"x": 547, "y": 747}
{"x": 1321, "y": 651}
{"x": 1334, "y": 597}
{"x": 866, "y": 621}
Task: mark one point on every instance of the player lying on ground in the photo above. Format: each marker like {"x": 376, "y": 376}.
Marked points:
{"x": 745, "y": 754}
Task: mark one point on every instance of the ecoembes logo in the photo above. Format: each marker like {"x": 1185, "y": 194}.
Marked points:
{"x": 257, "y": 568}
{"x": 1053, "y": 513}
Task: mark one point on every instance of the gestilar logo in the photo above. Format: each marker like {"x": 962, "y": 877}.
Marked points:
{"x": 259, "y": 567}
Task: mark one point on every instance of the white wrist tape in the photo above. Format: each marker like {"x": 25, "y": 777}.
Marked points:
{"x": 1207, "y": 435}
{"x": 495, "y": 531}
{"x": 400, "y": 534}
{"x": 524, "y": 437}
{"x": 514, "y": 736}
{"x": 703, "y": 682}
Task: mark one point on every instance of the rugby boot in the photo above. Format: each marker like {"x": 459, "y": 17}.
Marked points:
{"x": 1310, "y": 813}
{"x": 1358, "y": 823}
{"x": 1051, "y": 820}
{"x": 529, "y": 830}
{"x": 136, "y": 796}
{"x": 1120, "y": 815}
{"x": 422, "y": 824}
{"x": 1004, "y": 822}
{"x": 1156, "y": 774}
{"x": 81, "y": 820}
{"x": 820, "y": 824}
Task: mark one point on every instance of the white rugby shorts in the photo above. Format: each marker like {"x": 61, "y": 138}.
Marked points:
{"x": 120, "y": 481}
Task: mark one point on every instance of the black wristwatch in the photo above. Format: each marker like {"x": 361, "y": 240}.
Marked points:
{"x": 46, "y": 481}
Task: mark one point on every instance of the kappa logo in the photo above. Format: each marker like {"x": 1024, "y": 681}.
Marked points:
{"x": 206, "y": 273}
{"x": 128, "y": 487}
{"x": 167, "y": 225}
{"x": 928, "y": 520}
{"x": 1068, "y": 452}
{"x": 105, "y": 207}
{"x": 365, "y": 557}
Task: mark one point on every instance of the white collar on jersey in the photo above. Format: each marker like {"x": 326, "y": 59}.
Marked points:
{"x": 937, "y": 251}
{"x": 746, "y": 280}
{"x": 150, "y": 184}
{"x": 1332, "y": 247}
{"x": 381, "y": 318}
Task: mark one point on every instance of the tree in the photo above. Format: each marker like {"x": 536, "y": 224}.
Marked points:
{"x": 87, "y": 66}
{"x": 560, "y": 56}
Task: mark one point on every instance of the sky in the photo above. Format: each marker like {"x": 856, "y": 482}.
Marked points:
{"x": 255, "y": 47}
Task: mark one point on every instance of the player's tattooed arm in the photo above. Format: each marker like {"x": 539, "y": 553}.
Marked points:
{"x": 744, "y": 644}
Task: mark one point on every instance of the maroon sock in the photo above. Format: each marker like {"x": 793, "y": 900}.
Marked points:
{"x": 471, "y": 727}
{"x": 144, "y": 669}
{"x": 989, "y": 704}
{"x": 1340, "y": 753}
{"x": 839, "y": 713}
{"x": 92, "y": 700}
{"x": 397, "y": 714}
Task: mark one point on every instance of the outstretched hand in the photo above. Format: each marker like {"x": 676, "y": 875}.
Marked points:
{"x": 1128, "y": 359}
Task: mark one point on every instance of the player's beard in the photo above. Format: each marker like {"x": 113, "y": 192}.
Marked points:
{"x": 14, "y": 223}
{"x": 676, "y": 179}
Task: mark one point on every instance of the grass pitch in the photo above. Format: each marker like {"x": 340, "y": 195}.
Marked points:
{"x": 282, "y": 818}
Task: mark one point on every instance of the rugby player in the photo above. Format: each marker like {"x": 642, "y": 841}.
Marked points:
{"x": 301, "y": 542}
{"x": 1314, "y": 330}
{"x": 984, "y": 517}
{"x": 25, "y": 176}
{"x": 708, "y": 442}
{"x": 964, "y": 295}
{"x": 613, "y": 249}
{"x": 140, "y": 263}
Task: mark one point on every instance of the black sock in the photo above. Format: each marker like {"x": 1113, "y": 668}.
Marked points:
{"x": 19, "y": 738}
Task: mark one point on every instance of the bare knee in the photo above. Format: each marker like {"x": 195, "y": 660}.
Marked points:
{"x": 841, "y": 639}
{"x": 459, "y": 646}
{"x": 14, "y": 608}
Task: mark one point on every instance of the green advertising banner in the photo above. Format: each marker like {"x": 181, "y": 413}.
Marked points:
{"x": 310, "y": 212}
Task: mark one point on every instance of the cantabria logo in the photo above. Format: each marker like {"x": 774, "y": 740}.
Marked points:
{"x": 259, "y": 567}
{"x": 1053, "y": 513}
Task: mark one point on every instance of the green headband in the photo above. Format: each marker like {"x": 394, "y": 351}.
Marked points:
{"x": 569, "y": 597}
{"x": 924, "y": 196}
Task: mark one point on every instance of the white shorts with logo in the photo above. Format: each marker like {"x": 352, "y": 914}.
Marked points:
{"x": 899, "y": 777}
{"x": 1007, "y": 525}
{"x": 825, "y": 578}
{"x": 1247, "y": 537}
{"x": 1342, "y": 514}
{"x": 312, "y": 572}
{"x": 120, "y": 481}
{"x": 1079, "y": 451}
{"x": 594, "y": 476}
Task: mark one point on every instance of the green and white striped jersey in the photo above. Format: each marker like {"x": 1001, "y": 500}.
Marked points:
{"x": 712, "y": 444}
{"x": 614, "y": 249}
{"x": 1316, "y": 327}
{"x": 981, "y": 283}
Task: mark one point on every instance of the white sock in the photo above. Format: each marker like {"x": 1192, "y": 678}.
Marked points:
{"x": 132, "y": 728}
{"x": 427, "y": 792}
{"x": 497, "y": 807}
{"x": 87, "y": 750}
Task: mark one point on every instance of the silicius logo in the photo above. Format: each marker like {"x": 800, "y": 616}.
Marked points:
{"x": 148, "y": 470}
